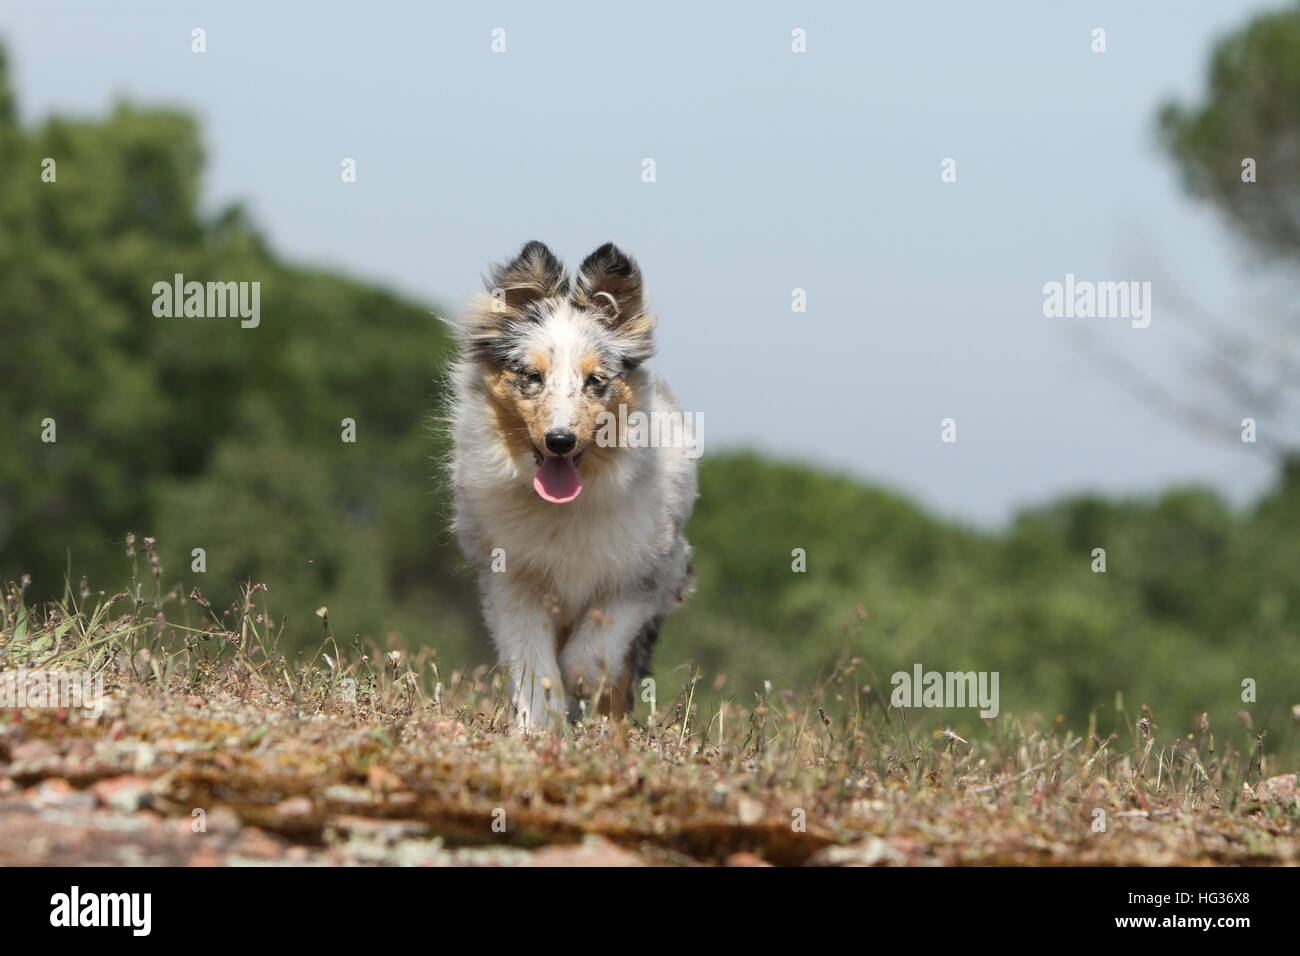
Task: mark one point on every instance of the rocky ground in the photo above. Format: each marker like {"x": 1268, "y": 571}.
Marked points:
{"x": 211, "y": 748}
{"x": 219, "y": 779}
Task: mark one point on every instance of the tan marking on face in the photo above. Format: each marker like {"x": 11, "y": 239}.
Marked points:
{"x": 596, "y": 458}
{"x": 589, "y": 406}
{"x": 509, "y": 410}
{"x": 534, "y": 410}
{"x": 519, "y": 418}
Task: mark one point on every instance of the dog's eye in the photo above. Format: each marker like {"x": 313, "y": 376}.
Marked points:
{"x": 595, "y": 381}
{"x": 533, "y": 377}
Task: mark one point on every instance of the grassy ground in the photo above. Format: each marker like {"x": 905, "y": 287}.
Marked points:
{"x": 213, "y": 748}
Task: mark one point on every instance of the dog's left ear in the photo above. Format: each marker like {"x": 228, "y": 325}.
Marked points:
{"x": 609, "y": 284}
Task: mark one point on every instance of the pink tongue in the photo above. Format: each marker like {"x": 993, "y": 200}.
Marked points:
{"x": 557, "y": 480}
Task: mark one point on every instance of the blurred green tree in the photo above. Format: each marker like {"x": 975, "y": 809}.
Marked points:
{"x": 195, "y": 430}
{"x": 1251, "y": 111}
{"x": 1237, "y": 150}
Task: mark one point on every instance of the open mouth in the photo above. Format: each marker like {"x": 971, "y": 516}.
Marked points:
{"x": 557, "y": 477}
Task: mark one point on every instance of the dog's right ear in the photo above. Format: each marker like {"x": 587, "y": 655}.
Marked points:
{"x": 532, "y": 275}
{"x": 486, "y": 325}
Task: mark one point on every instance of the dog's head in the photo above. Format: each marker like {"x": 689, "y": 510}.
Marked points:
{"x": 559, "y": 360}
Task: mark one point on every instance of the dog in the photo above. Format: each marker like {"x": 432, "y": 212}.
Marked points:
{"x": 575, "y": 527}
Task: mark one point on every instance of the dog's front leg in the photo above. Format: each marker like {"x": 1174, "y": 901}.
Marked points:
{"x": 524, "y": 634}
{"x": 597, "y": 655}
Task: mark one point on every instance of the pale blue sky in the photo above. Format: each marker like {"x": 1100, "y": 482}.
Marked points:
{"x": 774, "y": 171}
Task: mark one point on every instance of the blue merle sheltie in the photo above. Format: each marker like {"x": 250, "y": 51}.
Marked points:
{"x": 576, "y": 532}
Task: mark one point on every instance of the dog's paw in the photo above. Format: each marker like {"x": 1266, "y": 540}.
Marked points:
{"x": 539, "y": 713}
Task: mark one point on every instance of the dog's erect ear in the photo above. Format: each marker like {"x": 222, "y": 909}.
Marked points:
{"x": 486, "y": 325}
{"x": 533, "y": 274}
{"x": 609, "y": 284}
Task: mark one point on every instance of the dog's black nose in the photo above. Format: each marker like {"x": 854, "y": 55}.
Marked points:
{"x": 560, "y": 441}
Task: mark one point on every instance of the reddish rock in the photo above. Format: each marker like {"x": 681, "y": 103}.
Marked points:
{"x": 126, "y": 794}
{"x": 257, "y": 844}
{"x": 380, "y": 778}
{"x": 83, "y": 748}
{"x": 205, "y": 856}
{"x": 294, "y": 808}
{"x": 593, "y": 851}
{"x": 53, "y": 792}
{"x": 1280, "y": 789}
{"x": 223, "y": 820}
{"x": 31, "y": 751}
